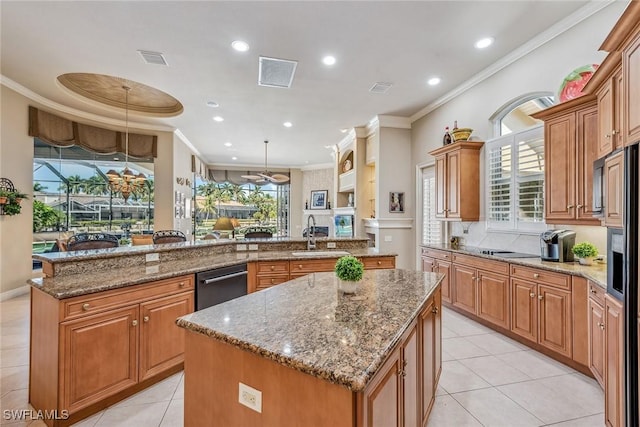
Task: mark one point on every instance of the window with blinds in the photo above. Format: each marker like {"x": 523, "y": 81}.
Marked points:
{"x": 515, "y": 181}
{"x": 431, "y": 227}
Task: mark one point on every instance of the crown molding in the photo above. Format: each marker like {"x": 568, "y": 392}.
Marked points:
{"x": 372, "y": 126}
{"x": 544, "y": 37}
{"x": 317, "y": 167}
{"x": 361, "y": 132}
{"x": 188, "y": 143}
{"x": 28, "y": 93}
{"x": 345, "y": 142}
{"x": 394, "y": 122}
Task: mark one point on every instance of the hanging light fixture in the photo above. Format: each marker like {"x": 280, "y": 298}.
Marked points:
{"x": 127, "y": 181}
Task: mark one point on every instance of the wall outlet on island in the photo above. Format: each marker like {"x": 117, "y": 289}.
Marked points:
{"x": 331, "y": 245}
{"x": 154, "y": 257}
{"x": 241, "y": 247}
{"x": 250, "y": 397}
{"x": 253, "y": 247}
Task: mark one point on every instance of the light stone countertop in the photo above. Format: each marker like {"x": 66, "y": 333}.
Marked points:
{"x": 62, "y": 287}
{"x": 309, "y": 325}
{"x": 597, "y": 272}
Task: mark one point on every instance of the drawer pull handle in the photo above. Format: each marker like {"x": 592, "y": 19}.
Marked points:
{"x": 607, "y": 136}
{"x": 272, "y": 281}
{"x": 536, "y": 275}
{"x": 435, "y": 310}
{"x": 300, "y": 266}
{"x": 569, "y": 206}
{"x": 446, "y": 256}
{"x": 601, "y": 326}
{"x": 86, "y": 306}
{"x": 181, "y": 284}
{"x": 614, "y": 132}
{"x": 145, "y": 319}
{"x": 134, "y": 323}
{"x": 379, "y": 262}
{"x": 540, "y": 297}
{"x": 532, "y": 294}
{"x": 593, "y": 291}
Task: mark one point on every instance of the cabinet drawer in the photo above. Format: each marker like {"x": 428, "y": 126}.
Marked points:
{"x": 596, "y": 293}
{"x": 372, "y": 263}
{"x": 541, "y": 276}
{"x": 95, "y": 303}
{"x": 312, "y": 265}
{"x": 270, "y": 280}
{"x": 435, "y": 253}
{"x": 273, "y": 267}
{"x": 482, "y": 263}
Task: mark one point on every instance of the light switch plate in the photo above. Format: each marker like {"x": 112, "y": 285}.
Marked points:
{"x": 388, "y": 238}
{"x": 250, "y": 397}
{"x": 331, "y": 245}
{"x": 154, "y": 257}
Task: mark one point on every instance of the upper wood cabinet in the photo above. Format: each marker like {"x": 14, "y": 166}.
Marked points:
{"x": 631, "y": 90}
{"x": 614, "y": 190}
{"x": 610, "y": 100}
{"x": 570, "y": 147}
{"x": 458, "y": 181}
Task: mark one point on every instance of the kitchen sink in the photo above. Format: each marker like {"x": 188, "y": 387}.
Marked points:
{"x": 312, "y": 252}
{"x": 507, "y": 254}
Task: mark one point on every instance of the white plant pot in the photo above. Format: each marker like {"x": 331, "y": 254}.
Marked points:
{"x": 586, "y": 260}
{"x": 347, "y": 286}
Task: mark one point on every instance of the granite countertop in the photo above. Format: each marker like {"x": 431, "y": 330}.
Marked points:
{"x": 309, "y": 325}
{"x": 597, "y": 272}
{"x": 62, "y": 287}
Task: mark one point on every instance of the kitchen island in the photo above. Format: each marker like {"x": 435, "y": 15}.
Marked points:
{"x": 313, "y": 355}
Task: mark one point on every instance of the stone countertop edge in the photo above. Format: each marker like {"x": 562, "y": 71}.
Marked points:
{"x": 360, "y": 376}
{"x": 57, "y": 257}
{"x": 63, "y": 287}
{"x": 596, "y": 273}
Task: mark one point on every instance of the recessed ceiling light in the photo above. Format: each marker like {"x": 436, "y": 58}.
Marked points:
{"x": 433, "y": 81}
{"x": 234, "y": 158}
{"x": 218, "y": 119}
{"x": 287, "y": 124}
{"x": 240, "y": 46}
{"x": 329, "y": 60}
{"x": 213, "y": 104}
{"x": 483, "y": 43}
{"x": 344, "y": 130}
{"x": 228, "y": 144}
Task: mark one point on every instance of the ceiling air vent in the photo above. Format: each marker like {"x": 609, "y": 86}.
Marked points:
{"x": 380, "y": 87}
{"x": 152, "y": 57}
{"x": 275, "y": 72}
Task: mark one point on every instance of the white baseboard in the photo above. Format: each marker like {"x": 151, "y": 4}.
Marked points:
{"x": 22, "y": 290}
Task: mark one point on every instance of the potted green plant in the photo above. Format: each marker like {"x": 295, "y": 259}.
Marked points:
{"x": 585, "y": 252}
{"x": 4, "y": 196}
{"x": 349, "y": 270}
{"x": 19, "y": 197}
{"x": 12, "y": 206}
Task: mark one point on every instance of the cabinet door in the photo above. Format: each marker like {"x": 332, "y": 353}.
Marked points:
{"x": 464, "y": 294}
{"x": 524, "y": 309}
{"x": 99, "y": 357}
{"x": 427, "y": 359}
{"x": 382, "y": 396}
{"x": 596, "y": 340}
{"x": 493, "y": 298}
{"x": 606, "y": 100}
{"x": 614, "y": 364}
{"x": 555, "y": 319}
{"x": 631, "y": 91}
{"x": 587, "y": 121}
{"x": 613, "y": 189}
{"x": 437, "y": 337}
{"x": 161, "y": 340}
{"x": 428, "y": 264}
{"x": 410, "y": 378}
{"x": 453, "y": 185}
{"x": 441, "y": 186}
{"x": 560, "y": 168}
{"x": 444, "y": 267}
{"x": 618, "y": 99}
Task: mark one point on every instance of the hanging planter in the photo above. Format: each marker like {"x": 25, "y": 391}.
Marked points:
{"x": 10, "y": 198}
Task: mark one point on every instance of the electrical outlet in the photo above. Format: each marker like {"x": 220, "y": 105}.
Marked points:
{"x": 241, "y": 247}
{"x": 250, "y": 397}
{"x": 331, "y": 245}
{"x": 154, "y": 257}
{"x": 388, "y": 238}
{"x": 253, "y": 247}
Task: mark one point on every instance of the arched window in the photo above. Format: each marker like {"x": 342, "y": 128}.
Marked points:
{"x": 514, "y": 116}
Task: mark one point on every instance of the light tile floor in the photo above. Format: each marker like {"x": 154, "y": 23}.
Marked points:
{"x": 487, "y": 380}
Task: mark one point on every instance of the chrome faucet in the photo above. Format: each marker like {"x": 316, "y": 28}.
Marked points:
{"x": 311, "y": 236}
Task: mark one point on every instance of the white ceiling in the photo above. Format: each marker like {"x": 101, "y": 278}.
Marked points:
{"x": 404, "y": 43}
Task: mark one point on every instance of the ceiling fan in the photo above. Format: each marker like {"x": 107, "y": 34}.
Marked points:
{"x": 266, "y": 176}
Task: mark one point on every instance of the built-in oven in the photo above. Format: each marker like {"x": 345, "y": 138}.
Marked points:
{"x": 220, "y": 285}
{"x": 616, "y": 263}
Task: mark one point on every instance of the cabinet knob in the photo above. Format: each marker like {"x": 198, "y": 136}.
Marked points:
{"x": 593, "y": 291}
{"x": 379, "y": 262}
{"x": 446, "y": 256}
{"x": 435, "y": 264}
{"x": 536, "y": 275}
{"x": 273, "y": 267}
{"x": 569, "y": 206}
{"x": 402, "y": 373}
{"x": 300, "y": 266}
{"x": 86, "y": 306}
{"x": 608, "y": 136}
{"x": 273, "y": 280}
{"x": 614, "y": 132}
{"x": 145, "y": 319}
{"x": 540, "y": 297}
{"x": 601, "y": 326}
{"x": 181, "y": 284}
{"x": 434, "y": 310}
{"x": 134, "y": 323}
{"x": 532, "y": 294}
{"x": 579, "y": 206}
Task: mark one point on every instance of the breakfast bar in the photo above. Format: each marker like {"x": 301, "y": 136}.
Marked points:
{"x": 305, "y": 353}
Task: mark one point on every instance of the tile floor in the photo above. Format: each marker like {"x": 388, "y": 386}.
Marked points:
{"x": 487, "y": 380}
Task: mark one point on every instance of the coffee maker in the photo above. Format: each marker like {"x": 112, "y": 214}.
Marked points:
{"x": 556, "y": 245}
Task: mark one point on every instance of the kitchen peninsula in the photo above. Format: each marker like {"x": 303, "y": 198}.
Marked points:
{"x": 103, "y": 321}
{"x": 312, "y": 355}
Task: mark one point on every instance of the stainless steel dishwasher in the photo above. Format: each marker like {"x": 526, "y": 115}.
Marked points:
{"x": 220, "y": 285}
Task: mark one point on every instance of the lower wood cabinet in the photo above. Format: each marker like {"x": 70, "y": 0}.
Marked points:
{"x": 614, "y": 393}
{"x": 436, "y": 261}
{"x": 597, "y": 334}
{"x": 115, "y": 340}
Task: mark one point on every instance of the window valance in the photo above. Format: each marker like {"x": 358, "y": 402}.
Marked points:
{"x": 61, "y": 132}
{"x": 235, "y": 176}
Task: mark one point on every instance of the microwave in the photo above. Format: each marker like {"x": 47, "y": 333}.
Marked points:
{"x": 598, "y": 188}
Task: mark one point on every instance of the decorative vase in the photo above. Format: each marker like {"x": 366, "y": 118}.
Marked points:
{"x": 586, "y": 260}
{"x": 347, "y": 286}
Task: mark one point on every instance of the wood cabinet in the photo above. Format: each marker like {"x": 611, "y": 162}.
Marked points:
{"x": 437, "y": 261}
{"x": 610, "y": 134}
{"x": 481, "y": 287}
{"x": 614, "y": 190}
{"x": 631, "y": 89}
{"x": 570, "y": 146}
{"x": 541, "y": 308}
{"x": 383, "y": 398}
{"x": 90, "y": 348}
{"x": 458, "y": 181}
{"x": 264, "y": 274}
{"x": 614, "y": 363}
{"x": 596, "y": 340}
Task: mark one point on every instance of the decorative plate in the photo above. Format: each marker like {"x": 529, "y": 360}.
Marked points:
{"x": 573, "y": 84}
{"x": 346, "y": 167}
